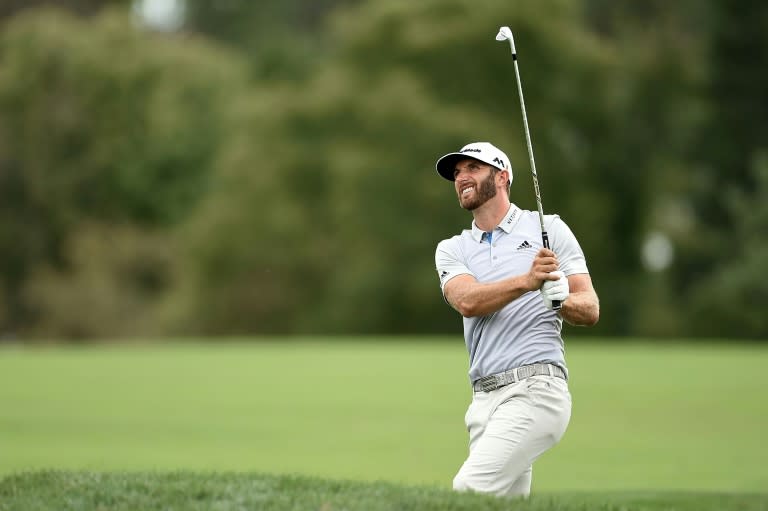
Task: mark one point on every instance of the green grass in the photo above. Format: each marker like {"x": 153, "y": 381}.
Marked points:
{"x": 647, "y": 418}
{"x": 60, "y": 491}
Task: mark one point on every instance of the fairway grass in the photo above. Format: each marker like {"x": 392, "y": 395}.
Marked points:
{"x": 647, "y": 417}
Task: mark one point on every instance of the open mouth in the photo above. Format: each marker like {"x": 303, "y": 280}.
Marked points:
{"x": 466, "y": 191}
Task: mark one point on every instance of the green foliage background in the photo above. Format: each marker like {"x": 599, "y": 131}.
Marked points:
{"x": 269, "y": 167}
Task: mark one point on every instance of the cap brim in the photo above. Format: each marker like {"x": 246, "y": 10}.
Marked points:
{"x": 446, "y": 165}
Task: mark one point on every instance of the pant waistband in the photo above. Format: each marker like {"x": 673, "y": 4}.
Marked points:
{"x": 498, "y": 380}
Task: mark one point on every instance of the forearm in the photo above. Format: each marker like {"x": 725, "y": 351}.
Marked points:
{"x": 581, "y": 308}
{"x": 480, "y": 299}
{"x": 472, "y": 298}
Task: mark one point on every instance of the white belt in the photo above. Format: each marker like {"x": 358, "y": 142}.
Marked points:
{"x": 498, "y": 380}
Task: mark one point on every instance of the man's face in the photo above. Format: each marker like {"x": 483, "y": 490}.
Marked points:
{"x": 474, "y": 182}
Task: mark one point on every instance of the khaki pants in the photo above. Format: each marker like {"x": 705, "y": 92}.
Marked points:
{"x": 509, "y": 428}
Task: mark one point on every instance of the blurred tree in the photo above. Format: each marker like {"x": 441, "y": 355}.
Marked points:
{"x": 708, "y": 188}
{"x": 661, "y": 46}
{"x": 349, "y": 161}
{"x": 84, "y": 7}
{"x": 282, "y": 38}
{"x": 113, "y": 287}
{"x": 284, "y": 181}
{"x": 100, "y": 122}
{"x": 728, "y": 191}
{"x": 728, "y": 301}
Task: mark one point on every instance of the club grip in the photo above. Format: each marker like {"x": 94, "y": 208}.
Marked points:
{"x": 556, "y": 304}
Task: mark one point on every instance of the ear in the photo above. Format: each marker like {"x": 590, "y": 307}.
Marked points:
{"x": 505, "y": 177}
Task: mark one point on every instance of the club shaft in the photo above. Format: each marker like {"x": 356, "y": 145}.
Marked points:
{"x": 556, "y": 305}
{"x": 530, "y": 154}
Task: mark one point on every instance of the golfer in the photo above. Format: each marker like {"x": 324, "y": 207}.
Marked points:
{"x": 503, "y": 282}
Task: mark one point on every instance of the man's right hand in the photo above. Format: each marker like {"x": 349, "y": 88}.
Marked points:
{"x": 541, "y": 270}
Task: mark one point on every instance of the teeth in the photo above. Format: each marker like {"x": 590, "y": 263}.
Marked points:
{"x": 465, "y": 191}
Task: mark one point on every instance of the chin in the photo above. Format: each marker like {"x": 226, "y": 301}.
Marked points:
{"x": 471, "y": 205}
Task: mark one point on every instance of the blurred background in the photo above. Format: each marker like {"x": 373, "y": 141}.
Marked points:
{"x": 189, "y": 167}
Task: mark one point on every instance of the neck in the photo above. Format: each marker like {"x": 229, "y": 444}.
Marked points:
{"x": 489, "y": 215}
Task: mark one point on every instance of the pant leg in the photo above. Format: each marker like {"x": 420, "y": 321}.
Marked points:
{"x": 509, "y": 429}
{"x": 522, "y": 487}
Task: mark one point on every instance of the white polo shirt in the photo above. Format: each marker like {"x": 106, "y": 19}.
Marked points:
{"x": 524, "y": 331}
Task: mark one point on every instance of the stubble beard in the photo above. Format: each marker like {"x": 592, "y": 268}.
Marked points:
{"x": 485, "y": 191}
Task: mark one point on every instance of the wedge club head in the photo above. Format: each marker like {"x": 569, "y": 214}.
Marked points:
{"x": 505, "y": 34}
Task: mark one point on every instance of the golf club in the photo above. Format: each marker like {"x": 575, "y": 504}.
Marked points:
{"x": 505, "y": 34}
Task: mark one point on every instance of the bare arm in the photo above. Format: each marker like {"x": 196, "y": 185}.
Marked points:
{"x": 582, "y": 307}
{"x": 472, "y": 298}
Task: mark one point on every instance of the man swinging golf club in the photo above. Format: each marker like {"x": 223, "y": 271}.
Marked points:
{"x": 514, "y": 293}
{"x": 502, "y": 280}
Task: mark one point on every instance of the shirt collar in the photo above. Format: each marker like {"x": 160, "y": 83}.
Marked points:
{"x": 507, "y": 223}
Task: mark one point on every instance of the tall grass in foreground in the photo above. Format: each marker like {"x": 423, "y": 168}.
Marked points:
{"x": 181, "y": 491}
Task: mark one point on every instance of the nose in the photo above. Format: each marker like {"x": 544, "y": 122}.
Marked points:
{"x": 462, "y": 179}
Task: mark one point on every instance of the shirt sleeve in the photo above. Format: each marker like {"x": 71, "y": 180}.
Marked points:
{"x": 565, "y": 245}
{"x": 449, "y": 261}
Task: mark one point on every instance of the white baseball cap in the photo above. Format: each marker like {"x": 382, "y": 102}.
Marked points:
{"x": 483, "y": 151}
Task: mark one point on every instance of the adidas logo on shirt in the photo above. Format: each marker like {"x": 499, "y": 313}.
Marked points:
{"x": 524, "y": 244}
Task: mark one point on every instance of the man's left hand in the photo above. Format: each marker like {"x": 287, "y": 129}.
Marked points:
{"x": 555, "y": 290}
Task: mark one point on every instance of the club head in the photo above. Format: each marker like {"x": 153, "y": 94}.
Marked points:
{"x": 504, "y": 34}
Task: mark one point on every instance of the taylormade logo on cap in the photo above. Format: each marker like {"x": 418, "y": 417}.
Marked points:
{"x": 483, "y": 151}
